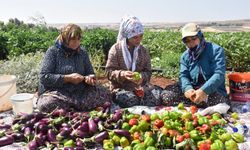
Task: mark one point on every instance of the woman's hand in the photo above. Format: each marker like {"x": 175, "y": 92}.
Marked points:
{"x": 128, "y": 75}
{"x": 200, "y": 96}
{"x": 90, "y": 79}
{"x": 74, "y": 78}
{"x": 190, "y": 94}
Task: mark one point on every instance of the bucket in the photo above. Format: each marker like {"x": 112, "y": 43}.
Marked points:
{"x": 22, "y": 103}
{"x": 239, "y": 85}
{"x": 7, "y": 89}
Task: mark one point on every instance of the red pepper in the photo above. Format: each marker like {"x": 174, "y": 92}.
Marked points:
{"x": 179, "y": 138}
{"x": 193, "y": 109}
{"x": 145, "y": 117}
{"x": 159, "y": 123}
{"x": 205, "y": 146}
{"x": 204, "y": 128}
{"x": 132, "y": 122}
{"x": 186, "y": 135}
{"x": 139, "y": 92}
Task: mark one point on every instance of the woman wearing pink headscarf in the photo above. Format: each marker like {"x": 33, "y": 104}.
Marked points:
{"x": 126, "y": 57}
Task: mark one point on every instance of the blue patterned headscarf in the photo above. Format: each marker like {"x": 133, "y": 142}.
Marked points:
{"x": 130, "y": 26}
{"x": 195, "y": 52}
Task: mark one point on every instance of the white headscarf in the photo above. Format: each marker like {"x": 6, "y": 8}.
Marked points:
{"x": 130, "y": 26}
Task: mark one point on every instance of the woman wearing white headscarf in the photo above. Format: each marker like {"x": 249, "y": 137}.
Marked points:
{"x": 126, "y": 57}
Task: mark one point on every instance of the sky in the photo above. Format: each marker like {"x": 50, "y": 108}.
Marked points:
{"x": 111, "y": 11}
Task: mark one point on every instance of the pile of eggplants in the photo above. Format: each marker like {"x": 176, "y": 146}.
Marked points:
{"x": 63, "y": 129}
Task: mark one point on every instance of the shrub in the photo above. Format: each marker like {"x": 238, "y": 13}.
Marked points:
{"x": 26, "y": 68}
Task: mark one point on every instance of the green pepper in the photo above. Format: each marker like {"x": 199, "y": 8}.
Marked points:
{"x": 216, "y": 116}
{"x": 136, "y": 76}
{"x": 134, "y": 142}
{"x": 239, "y": 138}
{"x": 108, "y": 145}
{"x": 129, "y": 116}
{"x": 154, "y": 116}
{"x": 225, "y": 137}
{"x": 235, "y": 115}
{"x": 189, "y": 125}
{"x": 2, "y": 133}
{"x": 127, "y": 148}
{"x": 213, "y": 136}
{"x": 202, "y": 120}
{"x": 217, "y": 145}
{"x": 165, "y": 115}
{"x": 168, "y": 124}
{"x": 133, "y": 129}
{"x": 143, "y": 126}
{"x": 168, "y": 142}
{"x": 116, "y": 139}
{"x": 125, "y": 126}
{"x": 174, "y": 115}
{"x": 69, "y": 143}
{"x": 124, "y": 142}
{"x": 151, "y": 148}
{"x": 186, "y": 116}
{"x": 195, "y": 135}
{"x": 231, "y": 145}
{"x": 180, "y": 106}
{"x": 139, "y": 146}
{"x": 149, "y": 141}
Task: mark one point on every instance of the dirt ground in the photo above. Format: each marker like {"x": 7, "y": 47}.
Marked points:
{"x": 155, "y": 80}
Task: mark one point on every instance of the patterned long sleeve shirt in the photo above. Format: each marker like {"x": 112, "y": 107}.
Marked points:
{"x": 56, "y": 64}
{"x": 115, "y": 64}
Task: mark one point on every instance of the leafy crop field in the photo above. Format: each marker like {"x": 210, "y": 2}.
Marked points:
{"x": 20, "y": 43}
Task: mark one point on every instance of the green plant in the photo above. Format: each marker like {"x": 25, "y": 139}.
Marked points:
{"x": 26, "y": 68}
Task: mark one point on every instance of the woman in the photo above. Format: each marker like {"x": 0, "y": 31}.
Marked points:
{"x": 202, "y": 72}
{"x": 126, "y": 57}
{"x": 67, "y": 78}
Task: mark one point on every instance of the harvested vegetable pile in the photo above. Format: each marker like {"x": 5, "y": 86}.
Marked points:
{"x": 179, "y": 129}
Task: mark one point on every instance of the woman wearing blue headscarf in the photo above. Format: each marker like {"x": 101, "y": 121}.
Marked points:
{"x": 126, "y": 57}
{"x": 202, "y": 72}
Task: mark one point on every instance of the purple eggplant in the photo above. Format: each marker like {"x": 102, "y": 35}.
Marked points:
{"x": 27, "y": 131}
{"x": 92, "y": 125}
{"x": 117, "y": 116}
{"x": 18, "y": 137}
{"x": 79, "y": 143}
{"x": 65, "y": 125}
{"x": 51, "y": 136}
{"x": 96, "y": 120}
{"x": 32, "y": 145}
{"x": 25, "y": 118}
{"x": 77, "y": 124}
{"x": 6, "y": 140}
{"x": 125, "y": 133}
{"x": 40, "y": 139}
{"x": 84, "y": 127}
{"x": 39, "y": 115}
{"x": 58, "y": 112}
{"x": 106, "y": 105}
{"x": 101, "y": 136}
{"x": 4, "y": 126}
{"x": 80, "y": 134}
{"x": 98, "y": 138}
{"x": 45, "y": 120}
{"x": 65, "y": 131}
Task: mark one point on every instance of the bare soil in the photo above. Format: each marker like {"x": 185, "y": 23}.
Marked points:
{"x": 156, "y": 80}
